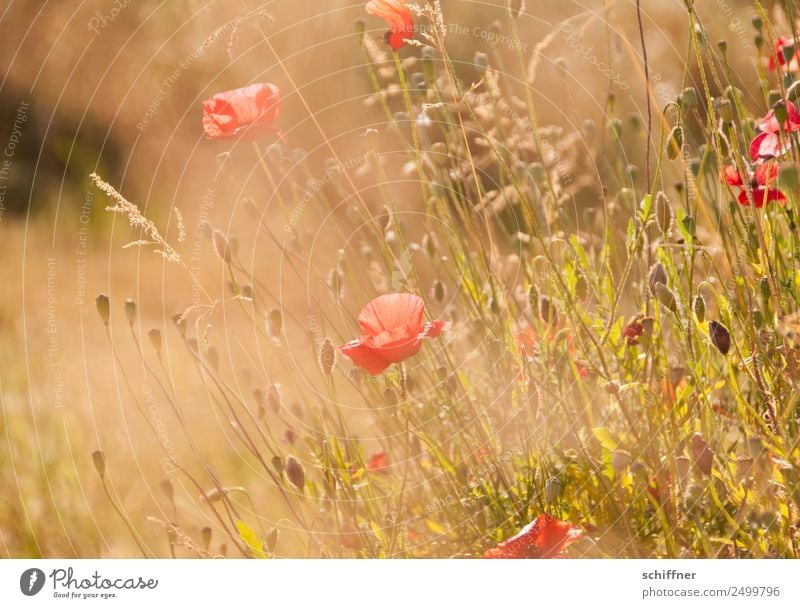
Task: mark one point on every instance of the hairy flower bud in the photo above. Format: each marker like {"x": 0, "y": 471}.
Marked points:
{"x": 720, "y": 336}
{"x": 295, "y": 472}
{"x": 103, "y": 308}
{"x": 657, "y": 275}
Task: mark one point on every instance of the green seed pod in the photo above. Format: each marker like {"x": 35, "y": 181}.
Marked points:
{"x": 720, "y": 336}
{"x": 757, "y": 23}
{"x": 700, "y": 308}
{"x": 722, "y": 45}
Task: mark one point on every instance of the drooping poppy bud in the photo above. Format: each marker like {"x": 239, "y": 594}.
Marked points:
{"x": 720, "y": 336}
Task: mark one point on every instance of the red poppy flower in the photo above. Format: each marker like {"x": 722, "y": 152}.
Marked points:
{"x": 760, "y": 182}
{"x": 778, "y": 57}
{"x": 397, "y": 15}
{"x": 378, "y": 463}
{"x": 246, "y": 113}
{"x": 773, "y": 140}
{"x": 544, "y": 537}
{"x": 632, "y": 331}
{"x": 392, "y": 331}
{"x": 526, "y": 342}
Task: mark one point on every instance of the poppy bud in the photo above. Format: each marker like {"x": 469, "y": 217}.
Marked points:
{"x": 155, "y": 340}
{"x": 788, "y": 177}
{"x": 439, "y": 291}
{"x": 167, "y": 489}
{"x": 515, "y": 7}
{"x": 428, "y": 55}
{"x": 700, "y": 308}
{"x": 327, "y": 356}
{"x": 581, "y": 286}
{"x": 440, "y": 154}
{"x": 720, "y": 337}
{"x": 725, "y": 109}
{"x": 758, "y": 40}
{"x": 702, "y": 454}
{"x": 615, "y": 126}
{"x": 481, "y": 61}
{"x": 274, "y": 398}
{"x": 533, "y": 297}
{"x": 781, "y": 113}
{"x": 275, "y": 322}
{"x": 663, "y": 212}
{"x": 693, "y": 497}
{"x": 620, "y": 460}
{"x": 99, "y": 460}
{"x": 212, "y": 357}
{"x": 666, "y": 297}
{"x": 764, "y": 288}
{"x": 390, "y": 395}
{"x": 221, "y": 246}
{"x": 675, "y": 143}
{"x": 271, "y": 540}
{"x": 205, "y": 535}
{"x": 755, "y": 447}
{"x": 757, "y": 23}
{"x": 130, "y": 310}
{"x": 657, "y": 276}
{"x": 689, "y": 225}
{"x": 547, "y": 311}
{"x": 682, "y": 465}
{"x": 552, "y": 489}
{"x": 722, "y": 45}
{"x": 103, "y": 308}
{"x": 689, "y": 98}
{"x": 295, "y": 472}
{"x": 429, "y": 244}
{"x": 773, "y": 98}
{"x": 180, "y": 323}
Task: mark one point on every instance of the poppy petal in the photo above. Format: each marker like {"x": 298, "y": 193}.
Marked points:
{"x": 365, "y": 357}
{"x": 392, "y": 312}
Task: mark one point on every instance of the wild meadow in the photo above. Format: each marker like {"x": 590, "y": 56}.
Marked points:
{"x": 484, "y": 320}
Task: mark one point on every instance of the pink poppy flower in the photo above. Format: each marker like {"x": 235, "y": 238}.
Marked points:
{"x": 247, "y": 113}
{"x": 544, "y": 537}
{"x": 397, "y": 15}
{"x": 760, "y": 182}
{"x": 392, "y": 330}
{"x": 773, "y": 140}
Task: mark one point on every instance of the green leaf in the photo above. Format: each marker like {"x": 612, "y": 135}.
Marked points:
{"x": 250, "y": 539}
